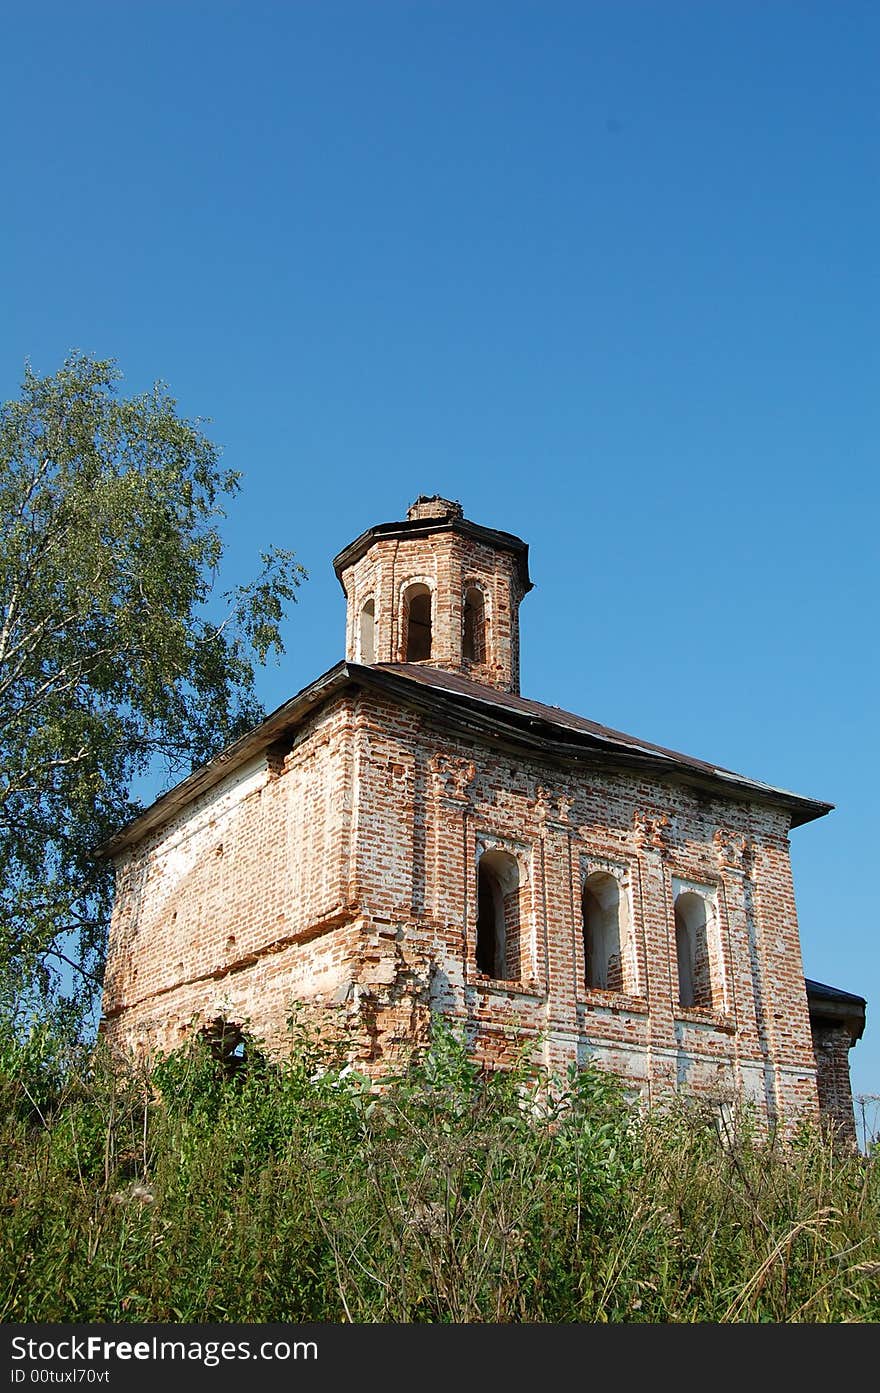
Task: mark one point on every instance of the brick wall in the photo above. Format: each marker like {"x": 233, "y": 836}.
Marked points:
{"x": 832, "y": 1044}
{"x": 342, "y": 872}
{"x": 242, "y": 903}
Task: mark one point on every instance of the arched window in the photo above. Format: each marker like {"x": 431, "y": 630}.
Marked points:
{"x": 692, "y": 949}
{"x": 499, "y": 940}
{"x": 474, "y": 637}
{"x": 417, "y": 624}
{"x": 367, "y": 647}
{"x": 603, "y": 957}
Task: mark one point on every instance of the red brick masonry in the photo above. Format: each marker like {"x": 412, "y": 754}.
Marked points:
{"x": 331, "y": 859}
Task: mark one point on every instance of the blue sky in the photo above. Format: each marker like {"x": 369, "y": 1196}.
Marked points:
{"x": 606, "y": 273}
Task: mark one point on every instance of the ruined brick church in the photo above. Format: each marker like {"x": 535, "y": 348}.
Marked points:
{"x": 409, "y": 835}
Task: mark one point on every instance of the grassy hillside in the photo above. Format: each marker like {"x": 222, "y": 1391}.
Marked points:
{"x": 292, "y": 1193}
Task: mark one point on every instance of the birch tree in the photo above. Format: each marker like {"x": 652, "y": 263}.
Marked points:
{"x": 115, "y": 649}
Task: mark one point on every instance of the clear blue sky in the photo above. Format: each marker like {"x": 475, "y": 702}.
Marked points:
{"x": 606, "y": 273}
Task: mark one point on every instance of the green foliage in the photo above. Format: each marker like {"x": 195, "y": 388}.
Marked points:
{"x": 33, "y": 1070}
{"x": 109, "y": 659}
{"x": 293, "y": 1191}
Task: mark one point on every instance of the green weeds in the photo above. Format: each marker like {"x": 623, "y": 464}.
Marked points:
{"x": 293, "y": 1192}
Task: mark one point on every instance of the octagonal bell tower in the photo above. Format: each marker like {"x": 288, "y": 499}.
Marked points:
{"x": 438, "y": 590}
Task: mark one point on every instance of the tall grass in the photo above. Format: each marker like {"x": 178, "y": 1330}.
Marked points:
{"x": 292, "y": 1192}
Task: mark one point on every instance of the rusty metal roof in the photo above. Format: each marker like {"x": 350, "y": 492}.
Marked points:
{"x": 457, "y": 685}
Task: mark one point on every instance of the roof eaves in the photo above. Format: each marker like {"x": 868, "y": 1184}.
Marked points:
{"x": 625, "y": 751}
{"x": 477, "y": 713}
{"x": 822, "y": 992}
{"x": 246, "y": 747}
{"x": 831, "y": 1006}
{"x": 424, "y": 527}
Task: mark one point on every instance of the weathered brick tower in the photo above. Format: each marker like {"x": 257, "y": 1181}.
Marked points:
{"x": 409, "y": 835}
{"x": 438, "y": 590}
